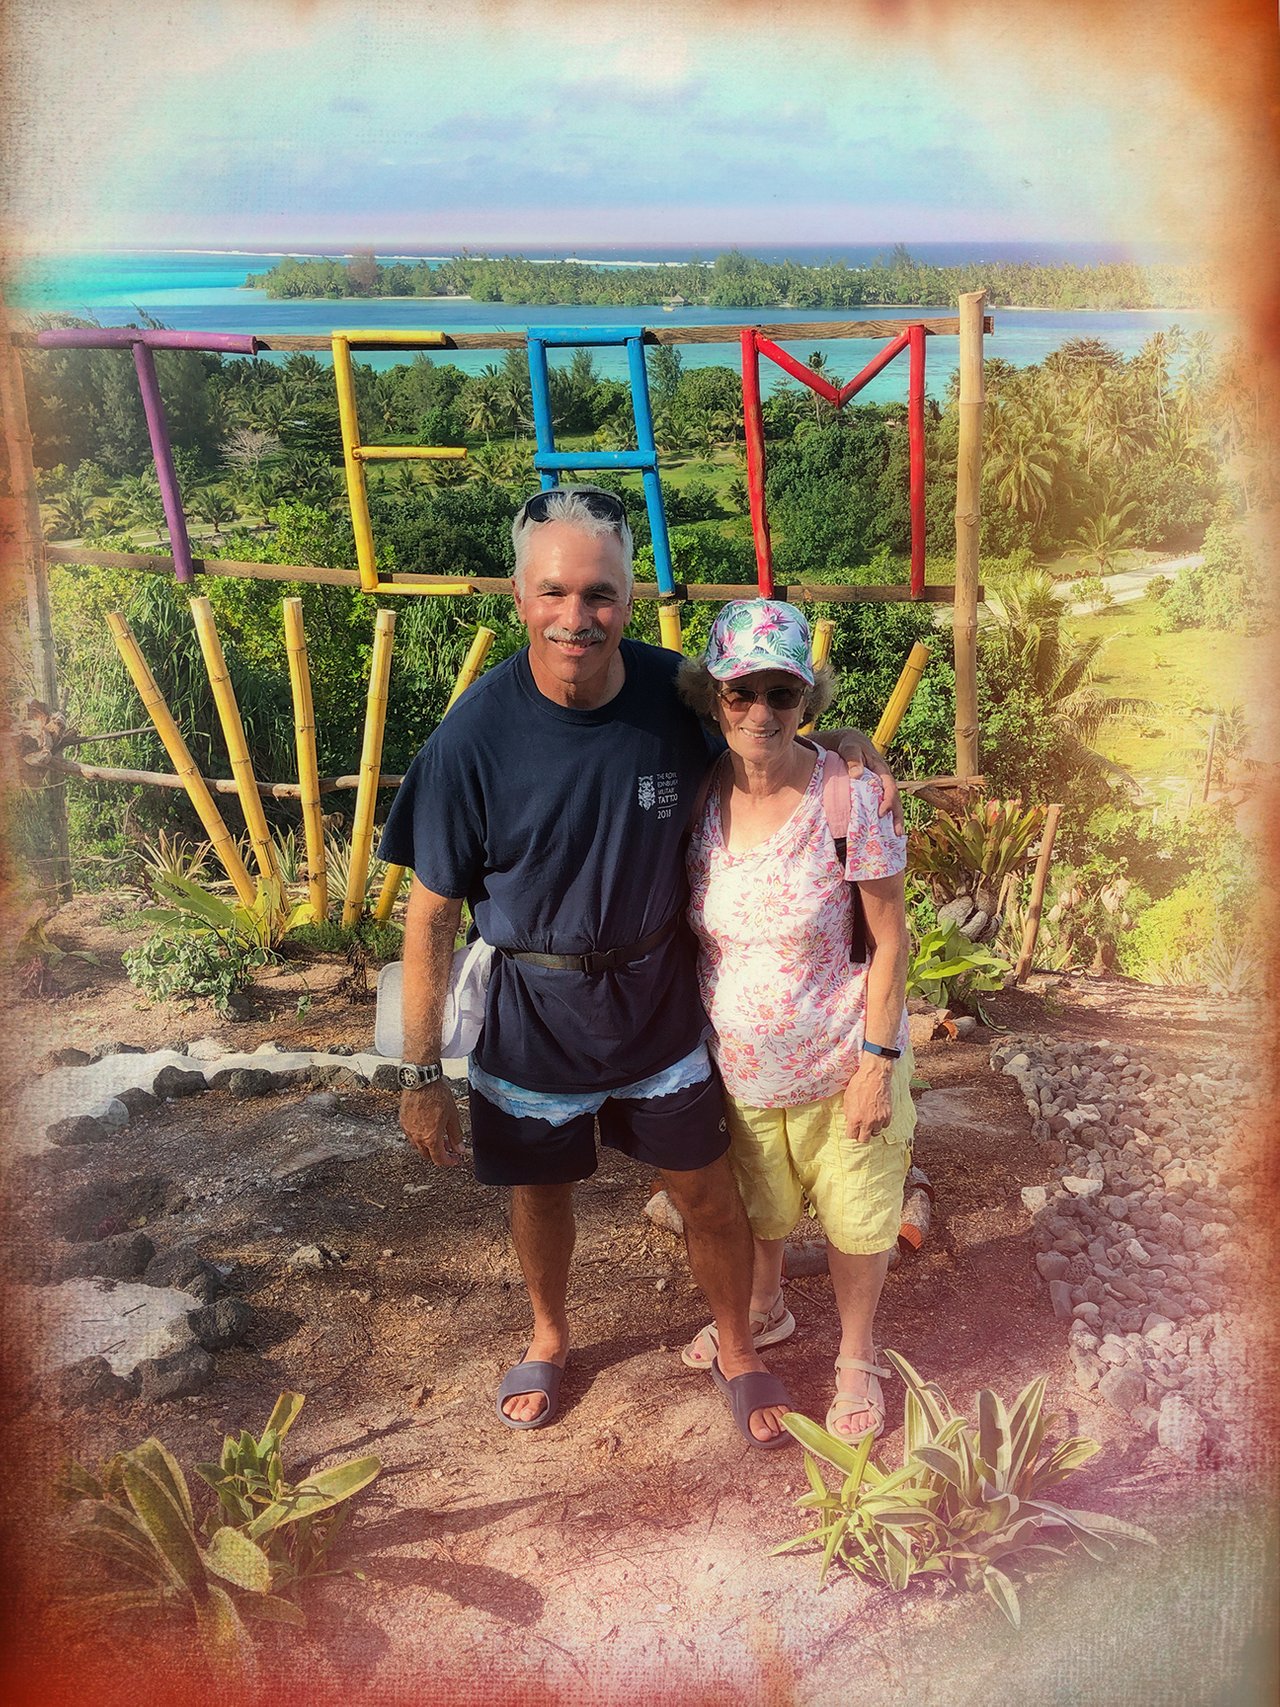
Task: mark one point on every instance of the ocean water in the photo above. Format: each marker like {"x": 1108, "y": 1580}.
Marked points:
{"x": 206, "y": 291}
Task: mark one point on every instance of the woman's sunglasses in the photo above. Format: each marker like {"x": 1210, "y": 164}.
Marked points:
{"x": 604, "y": 506}
{"x": 777, "y": 699}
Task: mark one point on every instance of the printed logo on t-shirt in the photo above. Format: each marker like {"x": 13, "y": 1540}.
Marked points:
{"x": 662, "y": 791}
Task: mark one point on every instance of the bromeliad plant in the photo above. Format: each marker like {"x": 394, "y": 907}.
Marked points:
{"x": 966, "y": 858}
{"x": 265, "y": 1537}
{"x": 969, "y": 1503}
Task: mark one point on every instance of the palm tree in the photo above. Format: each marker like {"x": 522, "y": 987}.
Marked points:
{"x": 69, "y": 515}
{"x": 1025, "y": 634}
{"x": 214, "y": 506}
{"x": 1103, "y": 537}
{"x": 1021, "y": 466}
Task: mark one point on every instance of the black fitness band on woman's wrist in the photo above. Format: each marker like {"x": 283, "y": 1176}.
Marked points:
{"x": 880, "y": 1049}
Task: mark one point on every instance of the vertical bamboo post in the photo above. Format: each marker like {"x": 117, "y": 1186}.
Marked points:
{"x": 233, "y": 734}
{"x": 823, "y": 634}
{"x": 1031, "y": 929}
{"x": 472, "y": 665}
{"x": 304, "y": 730}
{"x": 669, "y": 627}
{"x": 375, "y": 719}
{"x": 26, "y": 542}
{"x": 900, "y": 698}
{"x": 968, "y": 518}
{"x": 180, "y": 757}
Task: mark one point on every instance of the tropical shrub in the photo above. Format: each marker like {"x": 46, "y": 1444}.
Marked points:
{"x": 1224, "y": 590}
{"x": 969, "y": 1503}
{"x": 167, "y": 967}
{"x": 1168, "y": 935}
{"x": 950, "y": 971}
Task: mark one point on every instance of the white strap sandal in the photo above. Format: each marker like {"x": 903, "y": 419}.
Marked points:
{"x": 846, "y": 1404}
{"x": 776, "y": 1325}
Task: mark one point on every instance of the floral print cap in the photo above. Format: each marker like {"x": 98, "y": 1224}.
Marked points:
{"x": 759, "y": 634}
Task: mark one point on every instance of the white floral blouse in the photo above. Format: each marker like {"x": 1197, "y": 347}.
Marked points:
{"x": 773, "y": 926}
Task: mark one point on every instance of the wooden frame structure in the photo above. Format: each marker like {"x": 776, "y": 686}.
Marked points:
{"x": 970, "y": 326}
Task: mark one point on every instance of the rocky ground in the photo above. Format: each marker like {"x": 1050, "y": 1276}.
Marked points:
{"x": 234, "y": 1219}
{"x": 1144, "y": 1236}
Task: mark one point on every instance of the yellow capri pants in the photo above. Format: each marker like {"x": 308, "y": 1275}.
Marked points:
{"x": 782, "y": 1155}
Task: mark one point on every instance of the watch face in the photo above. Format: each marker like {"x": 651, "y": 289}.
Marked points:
{"x": 411, "y": 1078}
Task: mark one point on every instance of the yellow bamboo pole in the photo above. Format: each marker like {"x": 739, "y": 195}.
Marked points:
{"x": 1031, "y": 930}
{"x": 357, "y": 489}
{"x": 304, "y": 732}
{"x": 233, "y": 734}
{"x": 375, "y": 718}
{"x": 198, "y": 792}
{"x": 409, "y": 453}
{"x": 472, "y": 665}
{"x": 823, "y": 634}
{"x": 392, "y": 338}
{"x": 900, "y": 698}
{"x": 669, "y": 627}
{"x": 968, "y": 517}
{"x": 446, "y": 589}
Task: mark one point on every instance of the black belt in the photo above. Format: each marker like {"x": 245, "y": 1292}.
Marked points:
{"x": 602, "y": 960}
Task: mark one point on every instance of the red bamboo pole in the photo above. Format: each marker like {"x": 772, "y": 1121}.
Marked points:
{"x": 873, "y": 367}
{"x": 798, "y": 370}
{"x": 915, "y": 443}
{"x": 753, "y": 432}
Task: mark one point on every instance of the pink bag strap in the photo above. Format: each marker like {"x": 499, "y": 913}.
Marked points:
{"x": 835, "y": 794}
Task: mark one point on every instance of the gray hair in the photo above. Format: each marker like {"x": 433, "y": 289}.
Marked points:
{"x": 697, "y": 688}
{"x": 565, "y": 504}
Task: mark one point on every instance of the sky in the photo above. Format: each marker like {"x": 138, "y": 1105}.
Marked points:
{"x": 290, "y": 122}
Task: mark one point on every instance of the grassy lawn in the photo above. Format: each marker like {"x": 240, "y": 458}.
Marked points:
{"x": 1182, "y": 675}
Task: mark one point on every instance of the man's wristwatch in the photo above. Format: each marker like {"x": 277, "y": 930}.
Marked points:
{"x": 413, "y": 1077}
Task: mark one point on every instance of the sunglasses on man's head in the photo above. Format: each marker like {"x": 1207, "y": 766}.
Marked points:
{"x": 777, "y": 699}
{"x": 604, "y": 506}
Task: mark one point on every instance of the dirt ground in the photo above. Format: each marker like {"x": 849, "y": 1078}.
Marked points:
{"x": 623, "y": 1553}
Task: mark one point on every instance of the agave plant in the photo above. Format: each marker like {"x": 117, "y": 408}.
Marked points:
{"x": 968, "y": 1503}
{"x": 173, "y": 856}
{"x": 254, "y": 930}
{"x": 337, "y": 859}
{"x": 137, "y": 1517}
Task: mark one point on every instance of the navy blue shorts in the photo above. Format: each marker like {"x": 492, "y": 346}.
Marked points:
{"x": 680, "y": 1132}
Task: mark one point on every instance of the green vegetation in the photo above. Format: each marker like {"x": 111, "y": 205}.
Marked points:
{"x": 968, "y": 1505}
{"x": 263, "y": 1540}
{"x": 735, "y": 280}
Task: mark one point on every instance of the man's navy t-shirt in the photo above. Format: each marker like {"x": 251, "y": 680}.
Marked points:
{"x": 564, "y": 831}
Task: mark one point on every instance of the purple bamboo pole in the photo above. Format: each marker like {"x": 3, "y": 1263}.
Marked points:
{"x": 120, "y": 337}
{"x": 158, "y": 427}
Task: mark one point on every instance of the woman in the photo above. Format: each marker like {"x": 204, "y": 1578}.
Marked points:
{"x": 812, "y": 1046}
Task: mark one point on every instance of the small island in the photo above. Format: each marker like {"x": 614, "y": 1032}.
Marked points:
{"x": 740, "y": 281}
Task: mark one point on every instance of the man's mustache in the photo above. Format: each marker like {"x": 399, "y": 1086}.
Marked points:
{"x": 576, "y": 636}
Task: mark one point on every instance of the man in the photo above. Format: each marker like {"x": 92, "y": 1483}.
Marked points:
{"x": 553, "y": 800}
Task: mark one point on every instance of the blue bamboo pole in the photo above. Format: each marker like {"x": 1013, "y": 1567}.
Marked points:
{"x": 540, "y": 393}
{"x": 648, "y": 448}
